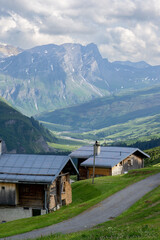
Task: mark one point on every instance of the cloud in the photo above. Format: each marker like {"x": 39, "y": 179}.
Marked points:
{"x": 122, "y": 29}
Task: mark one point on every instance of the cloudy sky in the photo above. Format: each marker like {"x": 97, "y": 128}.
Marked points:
{"x": 122, "y": 29}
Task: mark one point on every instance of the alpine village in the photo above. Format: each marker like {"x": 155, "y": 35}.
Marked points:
{"x": 79, "y": 145}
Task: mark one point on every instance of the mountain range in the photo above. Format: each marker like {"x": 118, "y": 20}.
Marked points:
{"x": 107, "y": 111}
{"x": 49, "y": 77}
{"x": 132, "y": 116}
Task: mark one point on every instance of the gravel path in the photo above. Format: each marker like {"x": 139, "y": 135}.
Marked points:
{"x": 102, "y": 212}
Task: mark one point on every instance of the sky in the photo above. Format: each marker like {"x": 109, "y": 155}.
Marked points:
{"x": 122, "y": 29}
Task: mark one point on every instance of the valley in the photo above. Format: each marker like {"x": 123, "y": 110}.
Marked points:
{"x": 81, "y": 97}
{"x": 126, "y": 117}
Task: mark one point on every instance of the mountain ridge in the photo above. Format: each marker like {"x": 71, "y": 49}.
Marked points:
{"x": 49, "y": 77}
{"x": 8, "y": 50}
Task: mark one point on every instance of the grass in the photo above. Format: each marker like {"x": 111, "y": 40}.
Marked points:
{"x": 63, "y": 147}
{"x": 141, "y": 222}
{"x": 85, "y": 195}
{"x": 154, "y": 154}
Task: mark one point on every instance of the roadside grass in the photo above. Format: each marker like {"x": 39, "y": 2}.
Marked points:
{"x": 141, "y": 222}
{"x": 85, "y": 195}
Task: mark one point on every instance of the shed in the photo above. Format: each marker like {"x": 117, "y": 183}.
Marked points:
{"x": 109, "y": 161}
{"x": 34, "y": 184}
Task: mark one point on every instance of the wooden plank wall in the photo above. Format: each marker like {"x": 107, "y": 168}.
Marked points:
{"x": 137, "y": 163}
{"x": 83, "y": 173}
{"x": 31, "y": 195}
{"x": 99, "y": 172}
{"x": 7, "y": 194}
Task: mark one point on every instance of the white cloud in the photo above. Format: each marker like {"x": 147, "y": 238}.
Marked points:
{"x": 123, "y": 29}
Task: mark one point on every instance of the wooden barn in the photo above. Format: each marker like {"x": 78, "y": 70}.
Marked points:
{"x": 33, "y": 185}
{"x": 109, "y": 161}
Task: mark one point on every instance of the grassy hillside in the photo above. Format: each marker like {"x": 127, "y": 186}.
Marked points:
{"x": 107, "y": 111}
{"x": 154, "y": 159}
{"x": 85, "y": 195}
{"x": 140, "y": 222}
{"x": 127, "y": 117}
{"x": 20, "y": 133}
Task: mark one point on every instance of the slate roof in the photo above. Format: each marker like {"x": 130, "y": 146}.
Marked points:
{"x": 31, "y": 168}
{"x": 108, "y": 157}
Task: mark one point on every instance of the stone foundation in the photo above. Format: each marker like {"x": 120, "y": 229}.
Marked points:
{"x": 13, "y": 213}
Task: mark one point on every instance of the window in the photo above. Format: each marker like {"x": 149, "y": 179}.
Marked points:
{"x": 63, "y": 202}
{"x": 36, "y": 212}
{"x": 130, "y": 162}
{"x": 63, "y": 187}
{"x": 120, "y": 163}
{"x": 3, "y": 188}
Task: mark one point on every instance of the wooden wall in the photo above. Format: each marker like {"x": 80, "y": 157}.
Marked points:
{"x": 31, "y": 195}
{"x": 131, "y": 162}
{"x": 7, "y": 194}
{"x": 83, "y": 173}
{"x": 136, "y": 161}
{"x": 99, "y": 172}
{"x": 87, "y": 172}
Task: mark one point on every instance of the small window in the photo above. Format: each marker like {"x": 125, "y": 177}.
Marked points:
{"x": 63, "y": 202}
{"x": 3, "y": 188}
{"x": 63, "y": 187}
{"x": 36, "y": 212}
{"x": 129, "y": 162}
{"x": 120, "y": 163}
{"x": 26, "y": 208}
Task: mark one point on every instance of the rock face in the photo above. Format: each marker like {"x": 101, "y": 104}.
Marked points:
{"x": 48, "y": 77}
{"x": 8, "y": 50}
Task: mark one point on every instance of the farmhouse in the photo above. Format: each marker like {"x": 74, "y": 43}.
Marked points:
{"x": 109, "y": 161}
{"x": 33, "y": 185}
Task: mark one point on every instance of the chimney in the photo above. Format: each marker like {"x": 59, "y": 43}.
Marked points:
{"x": 0, "y": 147}
{"x": 97, "y": 148}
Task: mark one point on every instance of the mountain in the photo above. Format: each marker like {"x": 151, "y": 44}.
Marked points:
{"x": 140, "y": 64}
{"x": 48, "y": 77}
{"x": 128, "y": 117}
{"x": 20, "y": 133}
{"x": 107, "y": 111}
{"x": 8, "y": 50}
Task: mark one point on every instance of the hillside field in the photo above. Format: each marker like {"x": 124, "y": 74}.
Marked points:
{"x": 140, "y": 222}
{"x": 85, "y": 195}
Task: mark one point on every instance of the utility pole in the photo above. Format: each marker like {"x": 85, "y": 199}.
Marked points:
{"x": 94, "y": 158}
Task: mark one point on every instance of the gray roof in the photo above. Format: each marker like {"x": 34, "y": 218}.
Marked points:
{"x": 108, "y": 157}
{"x": 31, "y": 168}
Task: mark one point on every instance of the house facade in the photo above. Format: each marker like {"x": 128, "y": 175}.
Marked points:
{"x": 32, "y": 185}
{"x": 109, "y": 161}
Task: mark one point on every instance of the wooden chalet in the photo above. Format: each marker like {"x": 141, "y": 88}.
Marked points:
{"x": 109, "y": 161}
{"x": 33, "y": 185}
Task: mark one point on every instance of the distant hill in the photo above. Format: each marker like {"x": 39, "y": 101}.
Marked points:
{"x": 49, "y": 77}
{"x": 20, "y": 133}
{"x": 107, "y": 111}
{"x": 132, "y": 116}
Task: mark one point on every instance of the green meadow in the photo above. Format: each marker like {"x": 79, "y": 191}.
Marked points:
{"x": 85, "y": 195}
